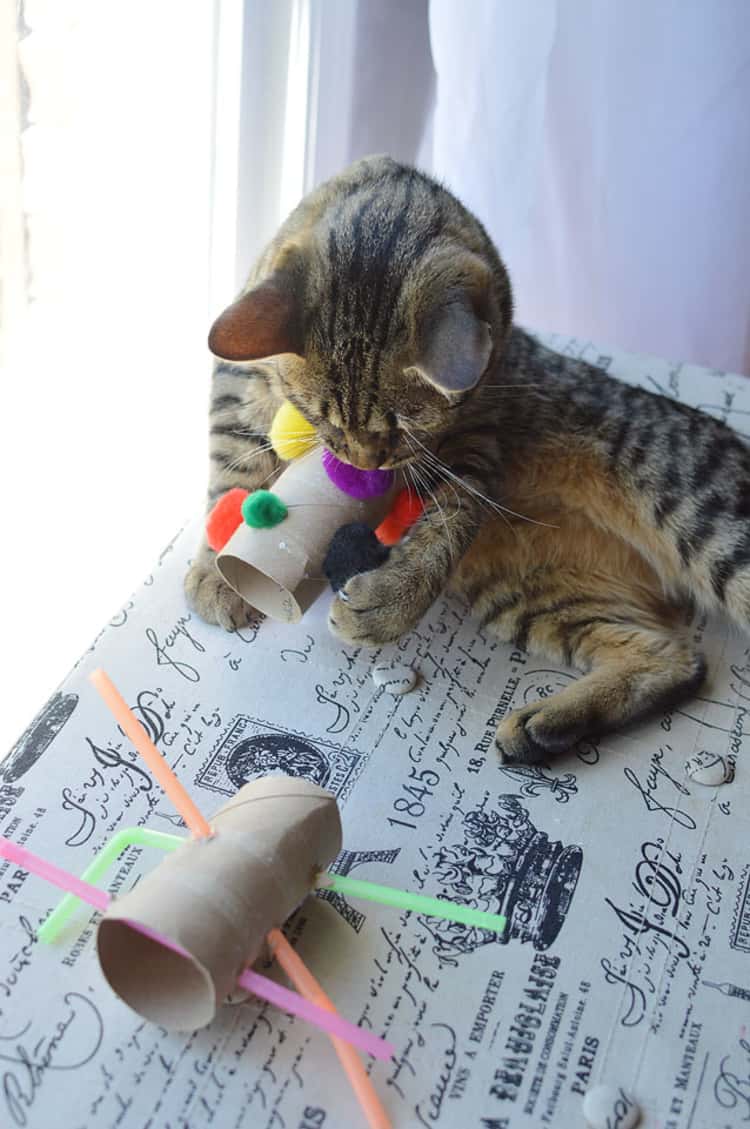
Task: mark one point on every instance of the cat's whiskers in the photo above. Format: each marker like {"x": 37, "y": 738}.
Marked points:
{"x": 446, "y": 476}
{"x": 411, "y": 482}
{"x": 277, "y": 470}
{"x": 443, "y": 518}
{"x": 519, "y": 386}
{"x": 314, "y": 445}
{"x": 440, "y": 465}
{"x": 243, "y": 459}
{"x": 437, "y": 469}
{"x": 419, "y": 477}
{"x": 426, "y": 473}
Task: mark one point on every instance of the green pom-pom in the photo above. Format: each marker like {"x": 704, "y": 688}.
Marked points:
{"x": 263, "y": 509}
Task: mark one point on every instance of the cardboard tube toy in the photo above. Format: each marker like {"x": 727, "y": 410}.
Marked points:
{"x": 279, "y": 570}
{"x": 215, "y": 900}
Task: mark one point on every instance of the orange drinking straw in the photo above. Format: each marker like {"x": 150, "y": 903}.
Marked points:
{"x": 308, "y": 986}
{"x": 158, "y": 766}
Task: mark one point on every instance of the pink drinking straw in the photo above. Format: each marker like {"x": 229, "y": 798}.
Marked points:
{"x": 330, "y": 1022}
{"x": 259, "y": 985}
{"x": 51, "y": 873}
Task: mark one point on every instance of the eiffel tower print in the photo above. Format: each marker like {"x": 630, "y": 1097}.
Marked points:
{"x": 344, "y": 863}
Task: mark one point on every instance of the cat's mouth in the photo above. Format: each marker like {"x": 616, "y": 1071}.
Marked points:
{"x": 396, "y": 464}
{"x": 368, "y": 451}
{"x": 389, "y": 463}
{"x": 369, "y": 459}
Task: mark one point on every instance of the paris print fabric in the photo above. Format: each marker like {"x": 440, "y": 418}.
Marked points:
{"x": 622, "y": 868}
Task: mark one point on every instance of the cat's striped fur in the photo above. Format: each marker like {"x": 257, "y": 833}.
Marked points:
{"x": 632, "y": 506}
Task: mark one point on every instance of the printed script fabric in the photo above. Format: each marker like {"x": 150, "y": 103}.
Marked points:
{"x": 625, "y": 880}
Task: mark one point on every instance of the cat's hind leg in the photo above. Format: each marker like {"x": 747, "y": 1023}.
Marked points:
{"x": 588, "y": 601}
{"x": 631, "y": 672}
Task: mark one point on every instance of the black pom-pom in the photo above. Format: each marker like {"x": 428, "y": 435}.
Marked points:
{"x": 354, "y": 548}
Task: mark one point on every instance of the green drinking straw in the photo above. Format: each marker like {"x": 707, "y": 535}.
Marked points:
{"x": 418, "y": 903}
{"x": 340, "y": 883}
{"x": 108, "y": 855}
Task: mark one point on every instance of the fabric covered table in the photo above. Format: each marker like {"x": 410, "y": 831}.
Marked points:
{"x": 625, "y": 881}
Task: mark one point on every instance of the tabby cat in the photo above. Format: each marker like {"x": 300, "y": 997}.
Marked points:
{"x": 580, "y": 517}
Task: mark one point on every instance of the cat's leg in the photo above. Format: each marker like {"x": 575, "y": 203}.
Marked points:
{"x": 583, "y": 600}
{"x": 242, "y": 408}
{"x": 632, "y": 671}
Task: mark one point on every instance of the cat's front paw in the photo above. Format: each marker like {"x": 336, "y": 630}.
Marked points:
{"x": 211, "y": 597}
{"x": 379, "y": 606}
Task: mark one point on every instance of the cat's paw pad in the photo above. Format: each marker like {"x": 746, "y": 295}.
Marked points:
{"x": 211, "y": 597}
{"x": 535, "y": 733}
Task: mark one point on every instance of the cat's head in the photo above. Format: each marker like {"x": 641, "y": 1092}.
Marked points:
{"x": 394, "y": 304}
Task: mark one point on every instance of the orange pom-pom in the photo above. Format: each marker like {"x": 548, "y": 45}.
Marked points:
{"x": 406, "y": 509}
{"x": 224, "y": 518}
{"x": 389, "y": 531}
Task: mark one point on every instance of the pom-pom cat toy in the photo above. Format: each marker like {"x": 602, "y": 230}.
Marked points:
{"x": 178, "y": 943}
{"x": 274, "y": 548}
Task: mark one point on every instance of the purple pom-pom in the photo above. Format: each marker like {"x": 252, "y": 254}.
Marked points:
{"x": 356, "y": 483}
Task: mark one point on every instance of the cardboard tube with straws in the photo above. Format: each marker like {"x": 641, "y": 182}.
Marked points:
{"x": 216, "y": 900}
{"x": 279, "y": 570}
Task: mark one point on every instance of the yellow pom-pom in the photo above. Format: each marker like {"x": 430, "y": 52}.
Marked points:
{"x": 290, "y": 433}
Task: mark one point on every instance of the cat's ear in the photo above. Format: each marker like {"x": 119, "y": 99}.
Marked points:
{"x": 262, "y": 322}
{"x": 455, "y": 347}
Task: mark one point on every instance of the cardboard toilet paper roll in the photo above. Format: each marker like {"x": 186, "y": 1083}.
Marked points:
{"x": 216, "y": 899}
{"x": 279, "y": 571}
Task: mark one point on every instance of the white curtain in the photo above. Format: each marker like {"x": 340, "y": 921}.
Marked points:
{"x": 604, "y": 144}
{"x": 606, "y": 147}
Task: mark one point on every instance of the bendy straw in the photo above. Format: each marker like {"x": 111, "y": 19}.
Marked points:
{"x": 342, "y": 884}
{"x": 259, "y": 985}
{"x": 417, "y": 903}
{"x": 99, "y": 865}
{"x": 158, "y": 766}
